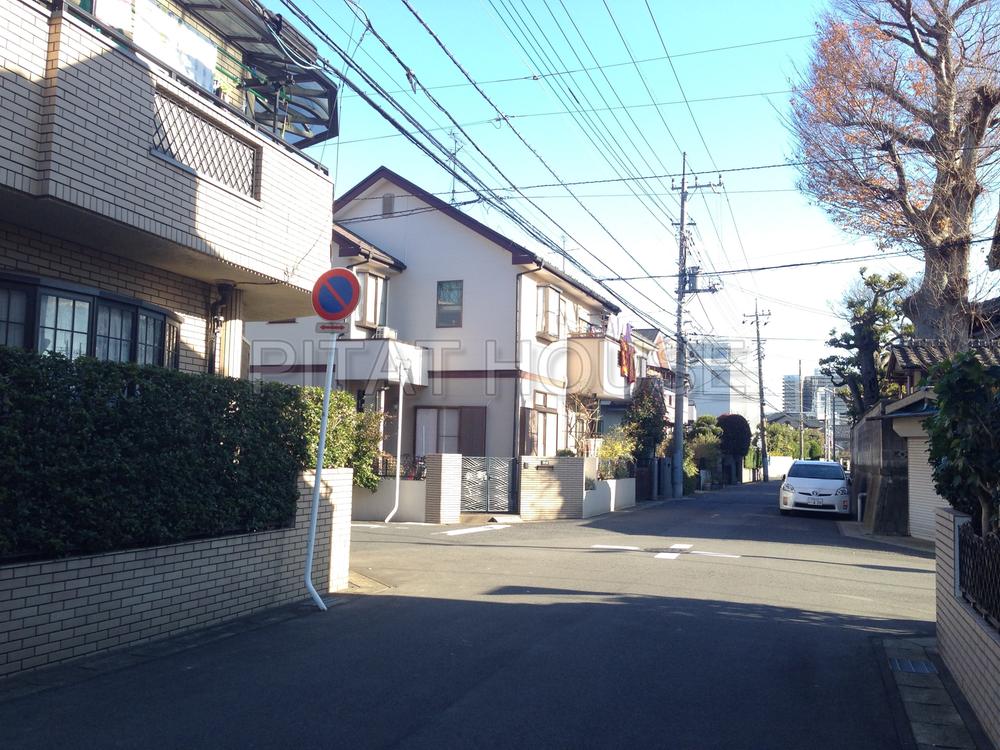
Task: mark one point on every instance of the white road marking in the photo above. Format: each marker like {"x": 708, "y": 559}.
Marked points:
{"x": 713, "y": 554}
{"x": 668, "y": 555}
{"x": 614, "y": 546}
{"x": 475, "y": 529}
{"x": 366, "y": 526}
{"x": 681, "y": 546}
{"x": 416, "y": 523}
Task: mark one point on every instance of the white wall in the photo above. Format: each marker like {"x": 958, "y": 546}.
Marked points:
{"x": 375, "y": 506}
{"x": 609, "y": 495}
{"x": 778, "y": 465}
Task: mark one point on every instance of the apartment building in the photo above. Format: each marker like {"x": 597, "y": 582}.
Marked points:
{"x": 153, "y": 192}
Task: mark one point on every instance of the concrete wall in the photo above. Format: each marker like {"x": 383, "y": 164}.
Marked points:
{"x": 778, "y": 465}
{"x": 551, "y": 488}
{"x": 879, "y": 468}
{"x": 375, "y": 506}
{"x": 609, "y": 495}
{"x": 969, "y": 646}
{"x": 60, "y": 609}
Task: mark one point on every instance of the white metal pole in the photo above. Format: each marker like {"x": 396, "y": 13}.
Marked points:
{"x": 399, "y": 442}
{"x": 321, "y": 448}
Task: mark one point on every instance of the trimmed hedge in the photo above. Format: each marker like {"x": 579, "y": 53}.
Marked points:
{"x": 98, "y": 456}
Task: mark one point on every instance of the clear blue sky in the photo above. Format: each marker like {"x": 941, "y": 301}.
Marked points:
{"x": 741, "y": 126}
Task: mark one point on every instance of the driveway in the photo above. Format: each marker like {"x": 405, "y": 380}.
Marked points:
{"x": 703, "y": 623}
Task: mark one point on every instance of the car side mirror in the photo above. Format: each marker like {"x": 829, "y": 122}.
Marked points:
{"x": 784, "y": 477}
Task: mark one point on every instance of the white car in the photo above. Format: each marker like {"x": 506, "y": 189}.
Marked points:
{"x": 818, "y": 486}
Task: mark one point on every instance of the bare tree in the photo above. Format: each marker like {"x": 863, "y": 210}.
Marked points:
{"x": 896, "y": 133}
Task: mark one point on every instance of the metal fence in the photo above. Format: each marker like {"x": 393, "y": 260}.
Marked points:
{"x": 979, "y": 572}
{"x": 410, "y": 467}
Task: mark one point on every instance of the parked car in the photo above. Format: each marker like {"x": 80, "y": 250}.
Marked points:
{"x": 818, "y": 486}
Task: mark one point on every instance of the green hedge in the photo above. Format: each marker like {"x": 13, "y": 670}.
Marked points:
{"x": 98, "y": 456}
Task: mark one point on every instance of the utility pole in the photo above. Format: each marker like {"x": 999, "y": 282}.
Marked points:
{"x": 452, "y": 156}
{"x": 687, "y": 283}
{"x": 757, "y": 315}
{"x": 802, "y": 408}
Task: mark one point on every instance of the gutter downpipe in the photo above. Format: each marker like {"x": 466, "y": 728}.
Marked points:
{"x": 399, "y": 441}
{"x": 517, "y": 356}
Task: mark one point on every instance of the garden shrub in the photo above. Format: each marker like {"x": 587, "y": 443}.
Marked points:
{"x": 98, "y": 456}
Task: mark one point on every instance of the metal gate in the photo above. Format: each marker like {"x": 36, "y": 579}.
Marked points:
{"x": 488, "y": 484}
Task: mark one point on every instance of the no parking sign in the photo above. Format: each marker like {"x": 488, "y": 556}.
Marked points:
{"x": 336, "y": 293}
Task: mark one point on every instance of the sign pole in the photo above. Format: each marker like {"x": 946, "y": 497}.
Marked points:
{"x": 335, "y": 295}
{"x": 320, "y": 451}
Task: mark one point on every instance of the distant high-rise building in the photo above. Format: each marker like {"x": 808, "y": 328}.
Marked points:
{"x": 790, "y": 394}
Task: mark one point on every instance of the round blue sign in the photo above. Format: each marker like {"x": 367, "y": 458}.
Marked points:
{"x": 336, "y": 294}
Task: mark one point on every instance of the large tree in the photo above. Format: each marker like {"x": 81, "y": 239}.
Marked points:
{"x": 896, "y": 136}
{"x": 872, "y": 309}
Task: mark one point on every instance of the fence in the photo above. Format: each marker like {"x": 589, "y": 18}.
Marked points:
{"x": 979, "y": 572}
{"x": 410, "y": 467}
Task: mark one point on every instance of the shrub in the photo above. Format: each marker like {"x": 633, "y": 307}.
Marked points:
{"x": 964, "y": 437}
{"x": 98, "y": 456}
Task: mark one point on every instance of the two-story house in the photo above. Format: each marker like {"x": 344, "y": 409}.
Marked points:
{"x": 497, "y": 339}
{"x": 153, "y": 194}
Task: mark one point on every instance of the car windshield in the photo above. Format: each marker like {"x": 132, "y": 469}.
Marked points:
{"x": 816, "y": 471}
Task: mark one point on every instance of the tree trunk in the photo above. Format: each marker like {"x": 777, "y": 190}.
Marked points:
{"x": 939, "y": 309}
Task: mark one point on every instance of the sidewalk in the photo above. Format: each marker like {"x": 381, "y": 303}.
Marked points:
{"x": 856, "y": 530}
{"x": 930, "y": 711}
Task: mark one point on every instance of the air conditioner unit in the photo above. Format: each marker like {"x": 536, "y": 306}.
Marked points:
{"x": 385, "y": 332}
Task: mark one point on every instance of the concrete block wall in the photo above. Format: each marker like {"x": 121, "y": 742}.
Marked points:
{"x": 24, "y": 251}
{"x": 96, "y": 124}
{"x": 969, "y": 646}
{"x": 551, "y": 488}
{"x": 61, "y": 609}
{"x": 443, "y": 488}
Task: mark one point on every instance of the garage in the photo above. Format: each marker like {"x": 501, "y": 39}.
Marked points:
{"x": 923, "y": 499}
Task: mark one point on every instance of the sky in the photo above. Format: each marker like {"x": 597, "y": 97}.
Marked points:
{"x": 733, "y": 61}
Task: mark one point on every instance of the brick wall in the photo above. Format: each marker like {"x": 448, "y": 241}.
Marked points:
{"x": 443, "y": 488}
{"x": 78, "y": 126}
{"x": 551, "y": 488}
{"x": 61, "y": 609}
{"x": 968, "y": 645}
{"x": 23, "y": 39}
{"x": 29, "y": 252}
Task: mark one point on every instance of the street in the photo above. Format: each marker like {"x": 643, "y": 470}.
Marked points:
{"x": 710, "y": 622}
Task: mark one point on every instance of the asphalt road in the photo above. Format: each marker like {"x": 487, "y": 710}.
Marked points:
{"x": 548, "y": 635}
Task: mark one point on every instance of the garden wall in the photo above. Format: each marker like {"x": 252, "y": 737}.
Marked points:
{"x": 61, "y": 609}
{"x": 609, "y": 495}
{"x": 969, "y": 646}
{"x": 375, "y": 506}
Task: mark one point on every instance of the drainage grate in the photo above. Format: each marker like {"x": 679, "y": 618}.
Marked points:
{"x": 914, "y": 666}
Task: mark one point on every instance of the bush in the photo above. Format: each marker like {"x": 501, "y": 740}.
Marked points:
{"x": 99, "y": 456}
{"x": 963, "y": 438}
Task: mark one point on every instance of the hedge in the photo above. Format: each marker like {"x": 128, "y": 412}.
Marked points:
{"x": 98, "y": 456}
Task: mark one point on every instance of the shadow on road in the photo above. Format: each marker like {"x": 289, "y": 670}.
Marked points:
{"x": 520, "y": 667}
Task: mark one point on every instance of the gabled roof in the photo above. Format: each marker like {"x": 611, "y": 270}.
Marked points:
{"x": 352, "y": 245}
{"x": 520, "y": 255}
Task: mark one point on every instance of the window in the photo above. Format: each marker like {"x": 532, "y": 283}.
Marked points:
{"x": 551, "y": 311}
{"x": 113, "y": 339}
{"x": 55, "y": 316}
{"x": 64, "y": 325}
{"x": 451, "y": 429}
{"x": 150, "y": 340}
{"x": 372, "y": 310}
{"x": 449, "y": 304}
{"x": 13, "y": 316}
{"x": 388, "y": 204}
{"x": 541, "y": 427}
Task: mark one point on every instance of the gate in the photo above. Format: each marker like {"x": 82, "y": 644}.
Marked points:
{"x": 488, "y": 484}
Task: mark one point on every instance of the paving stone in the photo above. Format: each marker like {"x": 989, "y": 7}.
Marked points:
{"x": 927, "y": 713}
{"x": 934, "y": 696}
{"x": 917, "y": 680}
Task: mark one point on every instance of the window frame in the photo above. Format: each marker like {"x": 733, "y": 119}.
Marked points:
{"x": 460, "y": 305}
{"x": 381, "y": 303}
{"x": 36, "y": 287}
{"x": 30, "y": 313}
{"x": 550, "y": 313}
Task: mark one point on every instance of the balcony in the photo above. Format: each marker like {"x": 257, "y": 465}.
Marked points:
{"x": 381, "y": 361}
{"x": 125, "y": 149}
{"x": 592, "y": 368}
